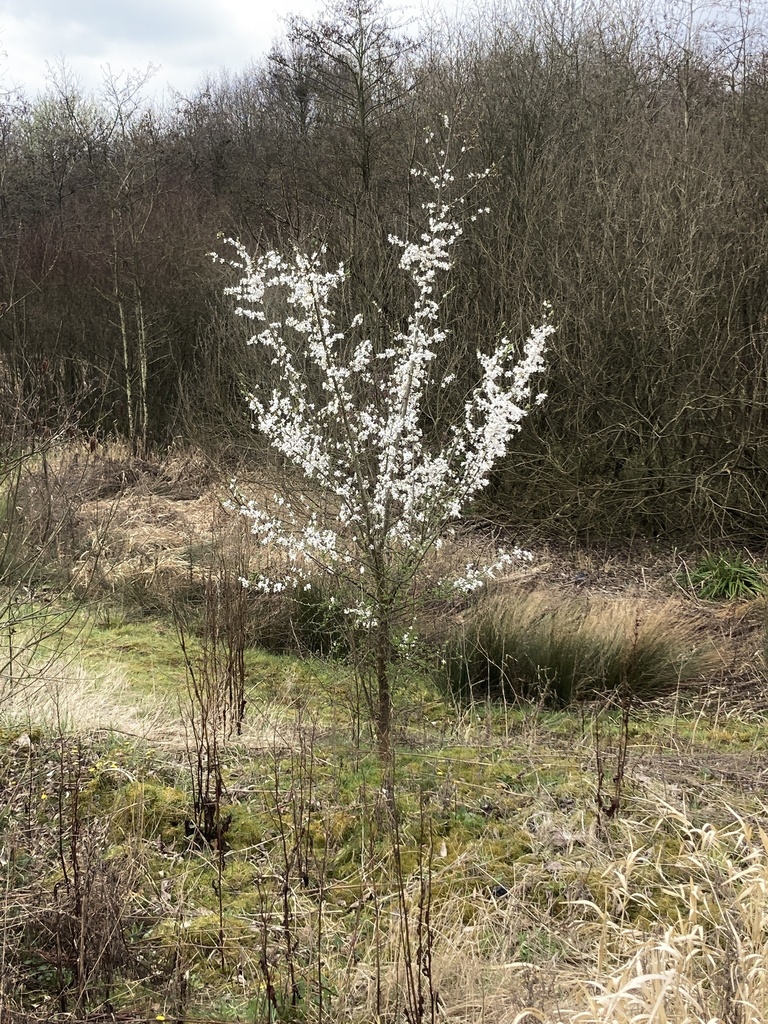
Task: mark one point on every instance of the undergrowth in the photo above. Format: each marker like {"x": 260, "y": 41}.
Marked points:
{"x": 475, "y": 882}
{"x": 200, "y": 830}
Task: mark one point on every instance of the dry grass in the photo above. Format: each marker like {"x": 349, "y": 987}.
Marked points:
{"x": 624, "y": 931}
{"x": 146, "y": 534}
{"x": 69, "y": 700}
{"x": 541, "y": 644}
{"x": 708, "y": 965}
{"x": 535, "y": 913}
{"x": 664, "y": 922}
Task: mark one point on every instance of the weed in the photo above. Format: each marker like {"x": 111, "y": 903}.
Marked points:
{"x": 727, "y": 576}
{"x": 206, "y": 717}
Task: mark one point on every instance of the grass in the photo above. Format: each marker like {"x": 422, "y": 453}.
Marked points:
{"x": 661, "y": 918}
{"x": 727, "y": 576}
{"x": 478, "y": 881}
{"x": 541, "y": 646}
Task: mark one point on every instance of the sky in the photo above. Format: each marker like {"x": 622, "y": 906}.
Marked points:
{"x": 183, "y": 39}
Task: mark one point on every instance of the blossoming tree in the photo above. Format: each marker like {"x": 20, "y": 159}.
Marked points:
{"x": 349, "y": 415}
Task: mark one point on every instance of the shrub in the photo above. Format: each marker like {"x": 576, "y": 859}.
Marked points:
{"x": 543, "y": 646}
{"x": 348, "y": 413}
{"x": 318, "y": 623}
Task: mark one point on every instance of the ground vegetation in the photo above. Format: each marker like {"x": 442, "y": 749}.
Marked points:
{"x": 197, "y": 824}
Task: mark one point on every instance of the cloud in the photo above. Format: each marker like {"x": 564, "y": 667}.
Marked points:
{"x": 89, "y": 24}
{"x": 184, "y": 38}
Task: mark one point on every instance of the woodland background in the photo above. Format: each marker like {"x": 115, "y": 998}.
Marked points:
{"x": 629, "y": 188}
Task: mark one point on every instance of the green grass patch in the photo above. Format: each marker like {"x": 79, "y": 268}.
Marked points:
{"x": 727, "y": 576}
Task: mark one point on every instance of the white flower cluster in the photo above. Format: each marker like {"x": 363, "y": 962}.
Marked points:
{"x": 476, "y": 576}
{"x": 395, "y": 494}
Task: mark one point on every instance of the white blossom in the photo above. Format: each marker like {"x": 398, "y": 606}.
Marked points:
{"x": 358, "y": 435}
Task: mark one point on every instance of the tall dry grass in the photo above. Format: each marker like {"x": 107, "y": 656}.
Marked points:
{"x": 646, "y": 941}
{"x": 543, "y": 644}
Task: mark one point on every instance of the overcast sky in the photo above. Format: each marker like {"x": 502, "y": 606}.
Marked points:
{"x": 183, "y": 38}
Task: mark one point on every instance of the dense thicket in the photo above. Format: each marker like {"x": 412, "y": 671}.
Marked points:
{"x": 629, "y": 187}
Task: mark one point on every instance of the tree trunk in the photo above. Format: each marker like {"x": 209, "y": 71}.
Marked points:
{"x": 384, "y": 708}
